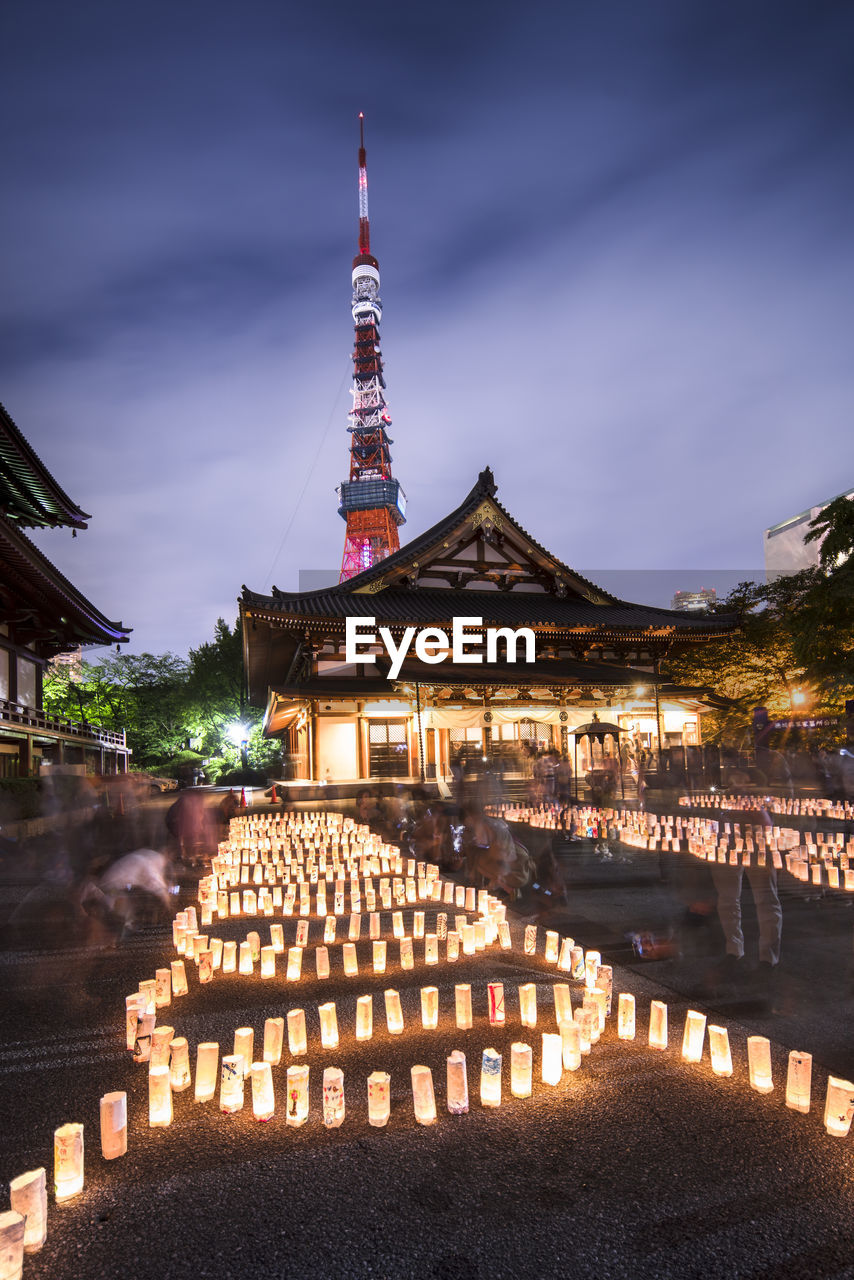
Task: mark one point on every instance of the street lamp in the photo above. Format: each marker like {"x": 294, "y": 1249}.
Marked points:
{"x": 238, "y": 734}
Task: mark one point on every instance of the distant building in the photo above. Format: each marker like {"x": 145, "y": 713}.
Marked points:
{"x": 694, "y": 601}
{"x": 785, "y": 549}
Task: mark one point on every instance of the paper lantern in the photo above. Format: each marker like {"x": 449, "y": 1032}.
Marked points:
{"x": 328, "y": 1025}
{"x": 162, "y": 988}
{"x": 479, "y": 935}
{"x": 178, "y": 977}
{"x": 231, "y": 1084}
{"x": 528, "y": 1004}
{"x": 562, "y": 999}
{"x": 592, "y": 961}
{"x": 552, "y": 1064}
{"x": 600, "y": 999}
{"x": 605, "y": 982}
{"x": 759, "y": 1062}
{"x": 458, "y": 1090}
{"x": 244, "y": 1047}
{"x": 28, "y": 1197}
{"x": 552, "y": 945}
{"x": 263, "y": 1098}
{"x": 144, "y": 1032}
{"x": 351, "y": 963}
{"x": 463, "y": 1006}
{"x": 297, "y": 1085}
{"x": 393, "y": 1012}
{"x": 333, "y": 1097}
{"x": 490, "y": 1079}
{"x": 268, "y": 962}
{"x": 179, "y": 1065}
{"x": 570, "y": 1044}
{"x": 431, "y": 948}
{"x": 160, "y": 1040}
{"x": 429, "y": 1008}
{"x": 591, "y": 1005}
{"x": 719, "y": 1051}
{"x": 418, "y": 927}
{"x": 379, "y": 954}
{"x": 294, "y": 964}
{"x": 583, "y": 1019}
{"x": 530, "y": 944}
{"x": 114, "y": 1125}
{"x": 460, "y": 923}
{"x": 229, "y": 957}
{"x": 565, "y": 956}
{"x": 329, "y": 929}
{"x": 838, "y": 1107}
{"x": 626, "y": 1016}
{"x": 13, "y": 1227}
{"x": 321, "y": 962}
{"x": 254, "y": 940}
{"x": 207, "y": 1065}
{"x": 504, "y": 935}
{"x": 132, "y": 1007}
{"x": 407, "y": 958}
{"x": 379, "y": 1098}
{"x": 159, "y": 1097}
{"x": 364, "y": 1017}
{"x": 297, "y": 1040}
{"x": 442, "y": 925}
{"x": 277, "y": 938}
{"x": 423, "y": 1097}
{"x": 578, "y": 971}
{"x": 301, "y": 939}
{"x": 374, "y": 926}
{"x": 274, "y": 1034}
{"x": 470, "y": 898}
{"x": 397, "y": 924}
{"x": 693, "y": 1036}
{"x": 206, "y": 965}
{"x": 245, "y": 966}
{"x": 521, "y": 1070}
{"x": 658, "y": 1025}
{"x": 452, "y": 946}
{"x": 234, "y": 904}
{"x": 468, "y": 940}
{"x": 148, "y": 988}
{"x": 799, "y": 1081}
{"x": 495, "y": 993}
{"x": 67, "y": 1161}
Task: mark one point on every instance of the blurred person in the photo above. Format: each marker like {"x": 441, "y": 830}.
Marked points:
{"x": 728, "y": 881}
{"x": 193, "y": 826}
{"x": 136, "y": 889}
{"x": 492, "y": 853}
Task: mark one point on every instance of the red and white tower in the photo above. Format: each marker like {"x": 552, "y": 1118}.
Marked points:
{"x": 371, "y": 501}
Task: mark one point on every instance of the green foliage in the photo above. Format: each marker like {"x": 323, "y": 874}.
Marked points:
{"x": 165, "y": 702}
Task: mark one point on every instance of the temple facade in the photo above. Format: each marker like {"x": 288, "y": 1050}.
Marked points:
{"x": 42, "y": 615}
{"x": 364, "y": 681}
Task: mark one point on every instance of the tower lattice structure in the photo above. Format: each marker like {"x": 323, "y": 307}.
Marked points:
{"x": 371, "y": 501}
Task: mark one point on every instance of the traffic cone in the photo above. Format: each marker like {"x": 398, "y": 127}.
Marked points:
{"x": 243, "y": 804}
{"x": 274, "y": 799}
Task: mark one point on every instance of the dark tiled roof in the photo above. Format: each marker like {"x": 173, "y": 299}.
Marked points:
{"x": 29, "y": 495}
{"x": 33, "y": 583}
{"x": 424, "y": 606}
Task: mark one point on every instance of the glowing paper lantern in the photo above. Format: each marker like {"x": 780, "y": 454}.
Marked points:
{"x": 393, "y": 1012}
{"x": 693, "y": 1036}
{"x": 244, "y": 1047}
{"x": 397, "y": 924}
{"x": 592, "y": 961}
{"x": 263, "y": 1098}
{"x": 274, "y": 1034}
{"x": 799, "y": 1081}
{"x": 159, "y": 1097}
{"x": 759, "y": 1062}
{"x": 301, "y": 939}
{"x": 605, "y": 982}
{"x": 521, "y": 1070}
{"x": 321, "y": 962}
{"x": 504, "y": 935}
{"x": 470, "y": 899}
{"x": 565, "y": 957}
{"x": 423, "y": 1097}
{"x": 245, "y": 966}
{"x": 570, "y": 1043}
{"x": 162, "y": 988}
{"x": 658, "y": 1025}
{"x": 600, "y": 999}
{"x": 144, "y": 1032}
{"x": 207, "y": 1064}
{"x": 179, "y": 1065}
{"x": 297, "y": 1113}
{"x": 132, "y": 1007}
{"x": 333, "y": 1097}
{"x": 355, "y": 927}
{"x": 351, "y": 963}
{"x": 626, "y": 1016}
{"x": 838, "y": 1107}
{"x": 578, "y": 971}
{"x": 67, "y": 1161}
{"x": 479, "y": 936}
{"x": 379, "y": 1098}
{"x": 458, "y": 1090}
{"x": 229, "y": 957}
{"x": 160, "y": 1041}
{"x": 463, "y": 1005}
{"x": 490, "y": 1079}
{"x": 591, "y": 1005}
{"x": 364, "y": 1017}
{"x": 148, "y": 988}
{"x": 418, "y": 927}
{"x": 328, "y": 1025}
{"x": 562, "y": 999}
{"x": 178, "y": 977}
{"x": 28, "y": 1197}
{"x": 442, "y": 925}
{"x": 429, "y": 1008}
{"x": 407, "y": 958}
{"x": 254, "y": 940}
{"x": 720, "y": 1051}
{"x": 231, "y": 1084}
{"x": 206, "y": 965}
{"x": 379, "y": 953}
{"x": 277, "y": 938}
{"x": 13, "y": 1227}
{"x": 297, "y": 1040}
{"x": 329, "y": 929}
{"x": 374, "y": 926}
{"x": 552, "y": 1066}
{"x": 583, "y": 1019}
{"x": 268, "y": 962}
{"x": 496, "y": 1004}
{"x": 552, "y": 944}
{"x": 431, "y": 948}
{"x": 452, "y": 946}
{"x": 294, "y": 964}
{"x": 530, "y": 945}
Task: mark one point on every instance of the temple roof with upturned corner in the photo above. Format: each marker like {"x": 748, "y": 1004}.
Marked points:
{"x": 29, "y": 495}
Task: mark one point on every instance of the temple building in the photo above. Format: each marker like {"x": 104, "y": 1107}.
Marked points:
{"x": 42, "y": 615}
{"x": 402, "y": 704}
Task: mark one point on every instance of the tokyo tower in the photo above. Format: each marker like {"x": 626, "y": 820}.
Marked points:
{"x": 371, "y": 501}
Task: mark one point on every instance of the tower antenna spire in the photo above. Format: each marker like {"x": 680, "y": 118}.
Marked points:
{"x": 371, "y": 501}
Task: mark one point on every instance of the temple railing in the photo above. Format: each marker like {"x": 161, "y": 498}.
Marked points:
{"x": 15, "y": 713}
